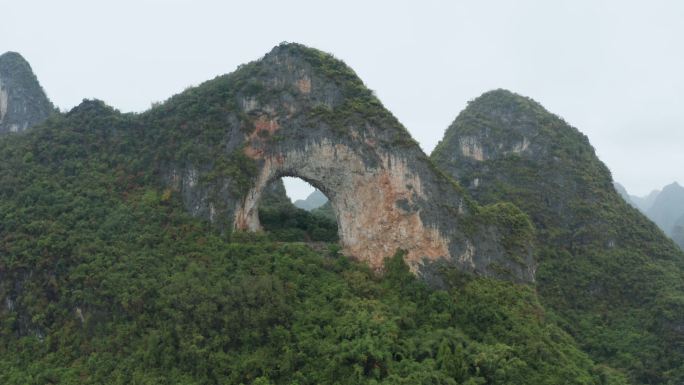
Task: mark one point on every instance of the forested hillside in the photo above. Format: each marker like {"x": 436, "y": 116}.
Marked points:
{"x": 613, "y": 277}
{"x": 107, "y": 279}
{"x": 109, "y": 274}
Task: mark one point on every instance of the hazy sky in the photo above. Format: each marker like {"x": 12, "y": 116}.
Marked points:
{"x": 614, "y": 69}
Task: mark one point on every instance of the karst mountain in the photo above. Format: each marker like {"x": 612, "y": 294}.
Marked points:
{"x": 160, "y": 247}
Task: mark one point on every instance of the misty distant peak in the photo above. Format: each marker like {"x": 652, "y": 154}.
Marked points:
{"x": 643, "y": 203}
{"x": 315, "y": 200}
{"x": 668, "y": 207}
{"x": 674, "y": 186}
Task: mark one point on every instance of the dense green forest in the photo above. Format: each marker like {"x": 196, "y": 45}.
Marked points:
{"x": 106, "y": 277}
{"x": 611, "y": 274}
{"x": 109, "y": 280}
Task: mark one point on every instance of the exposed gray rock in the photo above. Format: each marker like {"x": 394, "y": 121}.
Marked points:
{"x": 302, "y": 113}
{"x": 597, "y": 254}
{"x": 23, "y": 102}
{"x": 506, "y": 147}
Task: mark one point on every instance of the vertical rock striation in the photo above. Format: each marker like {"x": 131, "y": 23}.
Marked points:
{"x": 598, "y": 255}
{"x": 300, "y": 112}
{"x": 23, "y": 102}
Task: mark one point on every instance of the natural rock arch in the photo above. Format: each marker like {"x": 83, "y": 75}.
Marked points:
{"x": 375, "y": 205}
{"x": 302, "y": 113}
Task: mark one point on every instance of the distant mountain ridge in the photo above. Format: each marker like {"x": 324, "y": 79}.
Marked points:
{"x": 119, "y": 262}
{"x": 643, "y": 203}
{"x": 668, "y": 207}
{"x": 315, "y": 200}
{"x": 664, "y": 207}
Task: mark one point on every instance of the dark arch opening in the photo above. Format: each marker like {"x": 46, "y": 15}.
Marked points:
{"x": 285, "y": 222}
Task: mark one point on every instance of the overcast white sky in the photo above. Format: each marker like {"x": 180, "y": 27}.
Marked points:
{"x": 614, "y": 69}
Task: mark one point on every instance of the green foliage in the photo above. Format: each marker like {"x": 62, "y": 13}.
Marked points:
{"x": 292, "y": 224}
{"x": 359, "y": 106}
{"x": 105, "y": 277}
{"x": 237, "y": 167}
{"x": 517, "y": 230}
{"x": 109, "y": 280}
{"x": 610, "y": 275}
{"x": 326, "y": 211}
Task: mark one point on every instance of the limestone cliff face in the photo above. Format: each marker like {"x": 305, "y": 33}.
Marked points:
{"x": 598, "y": 254}
{"x": 300, "y": 112}
{"x": 508, "y": 147}
{"x": 23, "y": 102}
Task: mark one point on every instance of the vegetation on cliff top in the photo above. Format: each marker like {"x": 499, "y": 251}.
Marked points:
{"x": 105, "y": 278}
{"x": 614, "y": 279}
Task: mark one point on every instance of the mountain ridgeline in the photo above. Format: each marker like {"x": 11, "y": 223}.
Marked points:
{"x": 667, "y": 210}
{"x": 611, "y": 275}
{"x": 315, "y": 200}
{"x": 132, "y": 250}
{"x": 300, "y": 112}
{"x": 23, "y": 102}
{"x": 664, "y": 207}
{"x": 642, "y": 203}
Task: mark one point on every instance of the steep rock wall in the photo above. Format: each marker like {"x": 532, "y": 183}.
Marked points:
{"x": 22, "y": 101}
{"x": 299, "y": 112}
{"x": 599, "y": 255}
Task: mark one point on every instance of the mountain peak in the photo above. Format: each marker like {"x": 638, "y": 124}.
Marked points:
{"x": 668, "y": 207}
{"x": 293, "y": 48}
{"x": 503, "y": 100}
{"x": 13, "y": 57}
{"x": 674, "y": 186}
{"x": 23, "y": 102}
{"x": 501, "y": 124}
{"x": 504, "y": 147}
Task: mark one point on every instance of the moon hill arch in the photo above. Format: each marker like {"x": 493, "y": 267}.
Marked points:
{"x": 302, "y": 113}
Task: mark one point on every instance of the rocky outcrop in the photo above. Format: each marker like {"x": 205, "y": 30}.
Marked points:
{"x": 23, "y": 102}
{"x": 598, "y": 254}
{"x": 302, "y": 113}
{"x": 505, "y": 147}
